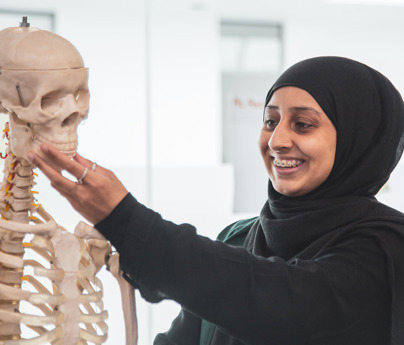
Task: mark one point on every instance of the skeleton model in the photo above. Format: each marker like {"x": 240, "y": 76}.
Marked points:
{"x": 49, "y": 293}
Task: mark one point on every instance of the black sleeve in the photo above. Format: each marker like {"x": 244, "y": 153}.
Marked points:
{"x": 342, "y": 292}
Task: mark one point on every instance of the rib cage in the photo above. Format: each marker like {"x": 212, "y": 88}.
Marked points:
{"x": 47, "y": 275}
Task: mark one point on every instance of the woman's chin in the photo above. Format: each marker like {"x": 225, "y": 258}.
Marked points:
{"x": 291, "y": 191}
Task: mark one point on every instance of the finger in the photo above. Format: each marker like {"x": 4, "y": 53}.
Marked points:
{"x": 83, "y": 161}
{"x": 60, "y": 183}
{"x": 89, "y": 164}
{"x": 61, "y": 160}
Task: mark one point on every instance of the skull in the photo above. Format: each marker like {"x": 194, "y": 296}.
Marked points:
{"x": 43, "y": 88}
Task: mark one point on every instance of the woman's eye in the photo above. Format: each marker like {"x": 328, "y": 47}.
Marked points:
{"x": 271, "y": 124}
{"x": 303, "y": 125}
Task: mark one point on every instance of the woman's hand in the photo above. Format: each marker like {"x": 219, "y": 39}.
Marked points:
{"x": 98, "y": 194}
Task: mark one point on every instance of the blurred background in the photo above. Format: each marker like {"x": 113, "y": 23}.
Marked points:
{"x": 177, "y": 93}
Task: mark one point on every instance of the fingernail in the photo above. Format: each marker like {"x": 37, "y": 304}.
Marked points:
{"x": 30, "y": 156}
{"x": 45, "y": 148}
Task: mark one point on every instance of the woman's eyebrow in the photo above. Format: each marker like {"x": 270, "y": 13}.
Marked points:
{"x": 302, "y": 108}
{"x": 310, "y": 109}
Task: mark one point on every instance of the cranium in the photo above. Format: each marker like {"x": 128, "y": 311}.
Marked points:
{"x": 43, "y": 86}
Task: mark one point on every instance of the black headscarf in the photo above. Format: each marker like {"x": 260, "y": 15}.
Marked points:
{"x": 368, "y": 114}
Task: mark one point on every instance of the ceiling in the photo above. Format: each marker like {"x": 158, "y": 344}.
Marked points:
{"x": 353, "y": 10}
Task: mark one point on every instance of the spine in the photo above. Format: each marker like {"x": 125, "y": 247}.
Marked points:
{"x": 15, "y": 205}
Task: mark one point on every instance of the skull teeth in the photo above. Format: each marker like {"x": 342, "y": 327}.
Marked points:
{"x": 287, "y": 163}
{"x": 68, "y": 148}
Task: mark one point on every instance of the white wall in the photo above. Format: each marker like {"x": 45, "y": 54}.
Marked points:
{"x": 375, "y": 45}
{"x": 184, "y": 85}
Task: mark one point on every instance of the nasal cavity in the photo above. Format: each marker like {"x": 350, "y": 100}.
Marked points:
{"x": 70, "y": 120}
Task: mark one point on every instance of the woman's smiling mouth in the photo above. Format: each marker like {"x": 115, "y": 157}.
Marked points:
{"x": 287, "y": 163}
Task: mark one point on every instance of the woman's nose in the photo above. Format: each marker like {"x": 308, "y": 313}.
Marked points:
{"x": 281, "y": 138}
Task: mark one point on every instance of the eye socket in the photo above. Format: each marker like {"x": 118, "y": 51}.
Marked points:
{"x": 51, "y": 102}
{"x": 81, "y": 96}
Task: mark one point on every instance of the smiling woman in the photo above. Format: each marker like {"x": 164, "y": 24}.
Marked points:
{"x": 297, "y": 142}
{"x": 321, "y": 264}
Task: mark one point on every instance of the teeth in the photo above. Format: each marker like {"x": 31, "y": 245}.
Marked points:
{"x": 286, "y": 163}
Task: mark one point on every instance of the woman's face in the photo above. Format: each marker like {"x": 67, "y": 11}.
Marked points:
{"x": 297, "y": 142}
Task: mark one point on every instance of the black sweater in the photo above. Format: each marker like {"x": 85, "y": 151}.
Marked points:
{"x": 250, "y": 299}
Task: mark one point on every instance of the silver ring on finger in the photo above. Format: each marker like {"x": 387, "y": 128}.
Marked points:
{"x": 93, "y": 166}
{"x": 80, "y": 180}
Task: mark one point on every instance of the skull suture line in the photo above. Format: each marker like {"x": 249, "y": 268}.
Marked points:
{"x": 45, "y": 92}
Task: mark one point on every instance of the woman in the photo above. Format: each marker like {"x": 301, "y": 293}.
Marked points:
{"x": 324, "y": 261}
